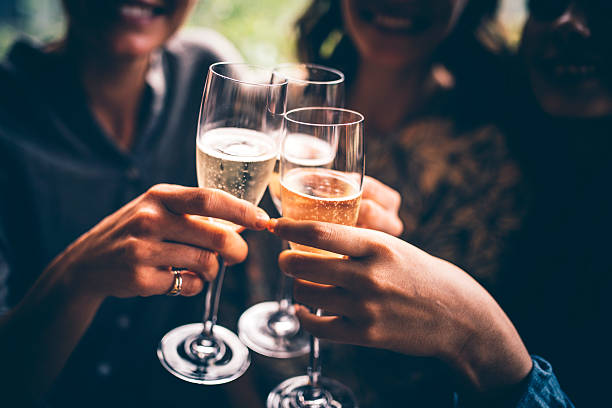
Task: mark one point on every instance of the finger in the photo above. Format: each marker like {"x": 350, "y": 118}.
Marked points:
{"x": 384, "y": 195}
{"x": 206, "y": 235}
{"x": 341, "y": 239}
{"x": 210, "y": 203}
{"x": 334, "y": 328}
{"x": 160, "y": 282}
{"x": 200, "y": 261}
{"x": 319, "y": 268}
{"x": 332, "y": 299}
{"x": 373, "y": 216}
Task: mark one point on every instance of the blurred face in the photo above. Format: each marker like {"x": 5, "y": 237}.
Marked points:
{"x": 399, "y": 33}
{"x": 568, "y": 52}
{"x": 125, "y": 27}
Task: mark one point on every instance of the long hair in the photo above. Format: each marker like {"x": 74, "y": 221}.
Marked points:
{"x": 322, "y": 38}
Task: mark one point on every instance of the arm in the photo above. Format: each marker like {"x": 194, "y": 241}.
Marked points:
{"x": 127, "y": 254}
{"x": 389, "y": 294}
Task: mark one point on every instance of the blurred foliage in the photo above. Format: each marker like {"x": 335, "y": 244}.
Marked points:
{"x": 261, "y": 29}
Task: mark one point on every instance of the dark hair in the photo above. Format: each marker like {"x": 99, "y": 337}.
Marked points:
{"x": 321, "y": 37}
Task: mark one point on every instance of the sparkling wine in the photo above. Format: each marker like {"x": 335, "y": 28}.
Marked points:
{"x": 320, "y": 195}
{"x": 304, "y": 151}
{"x": 239, "y": 161}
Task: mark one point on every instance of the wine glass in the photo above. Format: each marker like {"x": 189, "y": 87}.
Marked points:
{"x": 330, "y": 192}
{"x": 271, "y": 328}
{"x": 240, "y": 118}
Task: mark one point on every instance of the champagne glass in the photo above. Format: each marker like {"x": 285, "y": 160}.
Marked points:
{"x": 271, "y": 328}
{"x": 330, "y": 192}
{"x": 240, "y": 118}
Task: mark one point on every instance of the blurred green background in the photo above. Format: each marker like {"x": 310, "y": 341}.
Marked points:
{"x": 261, "y": 29}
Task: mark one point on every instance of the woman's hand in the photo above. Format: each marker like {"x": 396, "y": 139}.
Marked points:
{"x": 379, "y": 208}
{"x": 131, "y": 251}
{"x": 389, "y": 294}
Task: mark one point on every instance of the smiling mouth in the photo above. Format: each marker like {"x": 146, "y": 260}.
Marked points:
{"x": 140, "y": 11}
{"x": 395, "y": 23}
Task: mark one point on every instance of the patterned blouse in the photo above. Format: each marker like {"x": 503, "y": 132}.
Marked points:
{"x": 462, "y": 201}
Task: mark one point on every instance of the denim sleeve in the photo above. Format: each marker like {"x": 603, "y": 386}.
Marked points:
{"x": 539, "y": 390}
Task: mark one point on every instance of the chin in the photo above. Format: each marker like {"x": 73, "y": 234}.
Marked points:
{"x": 133, "y": 45}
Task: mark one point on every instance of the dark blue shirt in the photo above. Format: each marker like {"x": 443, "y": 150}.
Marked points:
{"x": 60, "y": 174}
{"x": 539, "y": 390}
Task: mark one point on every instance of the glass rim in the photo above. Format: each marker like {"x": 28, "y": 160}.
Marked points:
{"x": 339, "y": 73}
{"x": 212, "y": 67}
{"x": 360, "y": 117}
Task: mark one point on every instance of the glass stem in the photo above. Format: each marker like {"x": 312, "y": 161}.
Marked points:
{"x": 285, "y": 294}
{"x": 314, "y": 369}
{"x": 211, "y": 301}
{"x": 285, "y": 290}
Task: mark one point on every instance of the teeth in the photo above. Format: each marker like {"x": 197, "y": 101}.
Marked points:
{"x": 134, "y": 11}
{"x": 394, "y": 23}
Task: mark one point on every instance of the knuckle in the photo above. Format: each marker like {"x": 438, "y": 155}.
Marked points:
{"x": 205, "y": 198}
{"x": 205, "y": 259}
{"x": 131, "y": 250}
{"x": 218, "y": 239}
{"x": 191, "y": 285}
{"x": 318, "y": 232}
{"x": 371, "y": 334}
{"x": 157, "y": 191}
{"x": 140, "y": 278}
{"x": 379, "y": 246}
{"x": 145, "y": 221}
{"x": 396, "y": 199}
{"x": 244, "y": 212}
{"x": 365, "y": 210}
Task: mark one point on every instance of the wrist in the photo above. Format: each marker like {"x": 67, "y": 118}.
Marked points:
{"x": 482, "y": 343}
{"x": 71, "y": 282}
{"x": 486, "y": 348}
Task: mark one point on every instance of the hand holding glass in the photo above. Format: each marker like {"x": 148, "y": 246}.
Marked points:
{"x": 320, "y": 190}
{"x": 240, "y": 116}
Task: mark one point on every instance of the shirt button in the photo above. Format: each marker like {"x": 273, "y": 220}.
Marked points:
{"x": 103, "y": 369}
{"x": 133, "y": 174}
{"x": 123, "y": 322}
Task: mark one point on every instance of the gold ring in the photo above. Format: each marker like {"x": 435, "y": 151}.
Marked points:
{"x": 177, "y": 287}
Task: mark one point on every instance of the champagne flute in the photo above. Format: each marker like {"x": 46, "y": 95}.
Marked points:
{"x": 271, "y": 328}
{"x": 240, "y": 116}
{"x": 330, "y": 193}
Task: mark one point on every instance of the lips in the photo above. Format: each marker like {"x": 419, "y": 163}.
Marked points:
{"x": 395, "y": 21}
{"x": 139, "y": 12}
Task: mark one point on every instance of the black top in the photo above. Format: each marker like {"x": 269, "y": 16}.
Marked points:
{"x": 60, "y": 174}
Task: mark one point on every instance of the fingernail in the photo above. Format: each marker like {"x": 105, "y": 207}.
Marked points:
{"x": 272, "y": 225}
{"x": 262, "y": 219}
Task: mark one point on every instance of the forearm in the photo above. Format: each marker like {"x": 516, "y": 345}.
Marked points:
{"x": 39, "y": 334}
{"x": 485, "y": 348}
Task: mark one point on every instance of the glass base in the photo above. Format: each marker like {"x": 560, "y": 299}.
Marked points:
{"x": 296, "y": 392}
{"x": 209, "y": 363}
{"x": 271, "y": 333}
